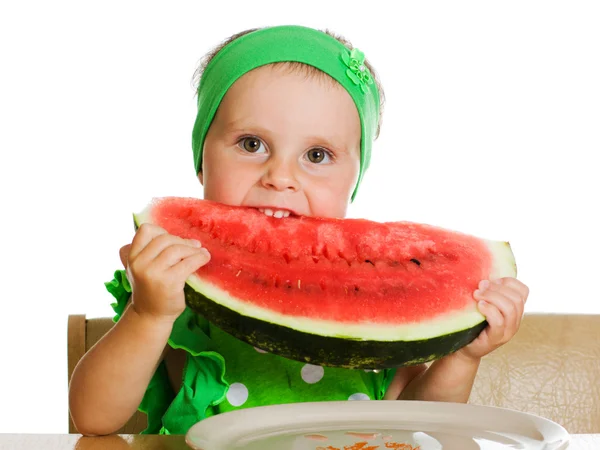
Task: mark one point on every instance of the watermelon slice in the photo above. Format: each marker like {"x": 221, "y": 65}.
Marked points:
{"x": 339, "y": 292}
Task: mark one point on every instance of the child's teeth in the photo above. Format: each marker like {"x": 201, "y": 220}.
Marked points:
{"x": 277, "y": 213}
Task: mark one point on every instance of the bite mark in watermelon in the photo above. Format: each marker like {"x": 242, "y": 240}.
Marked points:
{"x": 340, "y": 292}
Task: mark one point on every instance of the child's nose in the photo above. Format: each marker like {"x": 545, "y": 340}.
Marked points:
{"x": 280, "y": 176}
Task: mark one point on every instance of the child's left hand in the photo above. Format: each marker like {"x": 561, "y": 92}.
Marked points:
{"x": 502, "y": 302}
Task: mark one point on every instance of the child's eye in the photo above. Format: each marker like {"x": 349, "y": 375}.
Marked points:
{"x": 318, "y": 155}
{"x": 252, "y": 145}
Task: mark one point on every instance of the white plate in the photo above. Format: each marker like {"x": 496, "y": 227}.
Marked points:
{"x": 423, "y": 425}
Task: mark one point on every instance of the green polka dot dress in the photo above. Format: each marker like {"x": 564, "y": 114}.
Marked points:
{"x": 223, "y": 374}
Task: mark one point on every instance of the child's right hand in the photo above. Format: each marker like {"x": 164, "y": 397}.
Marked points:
{"x": 158, "y": 265}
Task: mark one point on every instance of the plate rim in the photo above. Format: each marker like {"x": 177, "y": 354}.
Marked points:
{"x": 208, "y": 426}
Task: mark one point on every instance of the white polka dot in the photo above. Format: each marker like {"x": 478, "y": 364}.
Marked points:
{"x": 312, "y": 374}
{"x": 237, "y": 394}
{"x": 359, "y": 396}
{"x": 259, "y": 350}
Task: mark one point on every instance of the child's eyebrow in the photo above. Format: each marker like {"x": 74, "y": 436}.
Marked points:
{"x": 244, "y": 124}
{"x": 234, "y": 122}
{"x": 231, "y": 129}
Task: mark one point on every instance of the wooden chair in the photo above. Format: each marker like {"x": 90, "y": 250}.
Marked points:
{"x": 82, "y": 335}
{"x": 550, "y": 368}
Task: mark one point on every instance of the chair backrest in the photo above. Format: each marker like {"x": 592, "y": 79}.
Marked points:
{"x": 82, "y": 335}
{"x": 550, "y": 368}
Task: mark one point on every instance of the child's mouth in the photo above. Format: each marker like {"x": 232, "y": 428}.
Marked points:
{"x": 277, "y": 213}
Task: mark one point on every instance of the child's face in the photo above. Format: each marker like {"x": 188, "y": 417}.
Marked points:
{"x": 283, "y": 141}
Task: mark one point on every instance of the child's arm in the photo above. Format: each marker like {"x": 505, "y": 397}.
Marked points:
{"x": 109, "y": 382}
{"x": 450, "y": 379}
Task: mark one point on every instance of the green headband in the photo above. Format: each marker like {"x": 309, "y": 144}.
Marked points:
{"x": 283, "y": 44}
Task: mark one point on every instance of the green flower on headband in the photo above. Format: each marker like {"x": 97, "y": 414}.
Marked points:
{"x": 357, "y": 71}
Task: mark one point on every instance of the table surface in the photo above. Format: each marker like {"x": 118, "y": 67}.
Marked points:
{"x": 155, "y": 442}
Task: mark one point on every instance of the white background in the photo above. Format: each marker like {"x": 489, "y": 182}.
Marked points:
{"x": 491, "y": 128}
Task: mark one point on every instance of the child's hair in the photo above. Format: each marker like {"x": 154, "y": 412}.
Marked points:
{"x": 294, "y": 66}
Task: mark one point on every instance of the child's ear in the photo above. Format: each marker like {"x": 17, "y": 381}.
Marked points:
{"x": 201, "y": 178}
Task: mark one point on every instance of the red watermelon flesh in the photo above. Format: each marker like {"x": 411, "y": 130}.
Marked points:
{"x": 369, "y": 279}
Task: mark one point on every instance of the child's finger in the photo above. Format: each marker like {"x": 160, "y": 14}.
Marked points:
{"x": 183, "y": 269}
{"x": 515, "y": 284}
{"x": 495, "y": 330}
{"x": 507, "y": 291}
{"x": 172, "y": 255}
{"x": 144, "y": 235}
{"x": 506, "y": 307}
{"x": 159, "y": 244}
{"x": 518, "y": 304}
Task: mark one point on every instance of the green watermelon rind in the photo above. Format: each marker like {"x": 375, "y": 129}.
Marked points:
{"x": 384, "y": 332}
{"x": 328, "y": 350}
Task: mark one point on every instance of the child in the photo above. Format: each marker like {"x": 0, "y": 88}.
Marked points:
{"x": 286, "y": 119}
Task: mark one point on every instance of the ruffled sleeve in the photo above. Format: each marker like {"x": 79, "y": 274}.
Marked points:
{"x": 120, "y": 289}
{"x": 203, "y": 384}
